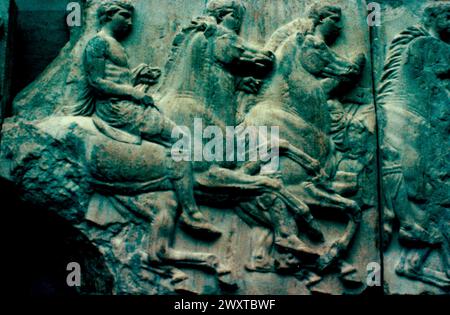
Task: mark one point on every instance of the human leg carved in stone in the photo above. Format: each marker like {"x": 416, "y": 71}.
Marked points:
{"x": 115, "y": 99}
{"x": 110, "y": 173}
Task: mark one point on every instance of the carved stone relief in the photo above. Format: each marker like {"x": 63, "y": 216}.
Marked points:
{"x": 413, "y": 99}
{"x": 98, "y": 140}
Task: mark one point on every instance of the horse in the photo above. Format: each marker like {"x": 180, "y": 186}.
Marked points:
{"x": 294, "y": 99}
{"x": 122, "y": 173}
{"x": 197, "y": 81}
{"x": 69, "y": 164}
{"x": 413, "y": 102}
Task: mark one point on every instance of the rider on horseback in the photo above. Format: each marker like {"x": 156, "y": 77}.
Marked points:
{"x": 113, "y": 98}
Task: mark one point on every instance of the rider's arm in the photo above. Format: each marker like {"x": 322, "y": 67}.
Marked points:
{"x": 318, "y": 59}
{"x": 231, "y": 50}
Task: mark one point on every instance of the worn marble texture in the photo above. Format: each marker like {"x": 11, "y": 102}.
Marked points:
{"x": 411, "y": 70}
{"x": 90, "y": 141}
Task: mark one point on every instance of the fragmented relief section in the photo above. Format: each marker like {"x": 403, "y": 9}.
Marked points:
{"x": 203, "y": 215}
{"x": 414, "y": 115}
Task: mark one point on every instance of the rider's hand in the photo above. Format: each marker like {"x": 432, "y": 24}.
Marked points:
{"x": 148, "y": 101}
{"x": 149, "y": 75}
{"x": 143, "y": 98}
{"x": 250, "y": 85}
{"x": 262, "y": 60}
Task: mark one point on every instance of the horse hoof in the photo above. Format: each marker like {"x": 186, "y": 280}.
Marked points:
{"x": 349, "y": 275}
{"x": 314, "y": 232}
{"x": 199, "y": 227}
{"x": 228, "y": 282}
{"x": 414, "y": 233}
{"x": 178, "y": 276}
{"x": 272, "y": 183}
{"x": 294, "y": 245}
{"x": 260, "y": 264}
{"x": 309, "y": 277}
{"x": 333, "y": 252}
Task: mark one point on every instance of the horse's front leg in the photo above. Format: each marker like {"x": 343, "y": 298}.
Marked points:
{"x": 322, "y": 198}
{"x": 299, "y": 156}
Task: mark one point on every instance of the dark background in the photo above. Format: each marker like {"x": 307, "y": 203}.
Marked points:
{"x": 34, "y": 48}
{"x": 39, "y": 245}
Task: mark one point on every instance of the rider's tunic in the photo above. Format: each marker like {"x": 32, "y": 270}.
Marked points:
{"x": 117, "y": 111}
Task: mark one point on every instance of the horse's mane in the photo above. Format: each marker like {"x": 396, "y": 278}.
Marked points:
{"x": 282, "y": 42}
{"x": 180, "y": 43}
{"x": 282, "y": 34}
{"x": 393, "y": 61}
{"x": 390, "y": 76}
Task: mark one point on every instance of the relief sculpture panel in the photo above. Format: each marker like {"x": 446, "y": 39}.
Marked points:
{"x": 244, "y": 146}
{"x": 413, "y": 100}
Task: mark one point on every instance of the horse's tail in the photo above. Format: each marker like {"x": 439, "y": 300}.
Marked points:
{"x": 393, "y": 61}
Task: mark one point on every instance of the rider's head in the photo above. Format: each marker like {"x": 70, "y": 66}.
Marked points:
{"x": 117, "y": 16}
{"x": 228, "y": 13}
{"x": 327, "y": 21}
{"x": 437, "y": 19}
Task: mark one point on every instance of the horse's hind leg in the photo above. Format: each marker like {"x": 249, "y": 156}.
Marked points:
{"x": 285, "y": 231}
{"x": 350, "y": 208}
{"x": 260, "y": 259}
{"x": 412, "y": 266}
{"x": 162, "y": 230}
{"x": 162, "y": 233}
{"x": 302, "y": 214}
{"x": 160, "y": 251}
{"x": 191, "y": 217}
{"x": 339, "y": 246}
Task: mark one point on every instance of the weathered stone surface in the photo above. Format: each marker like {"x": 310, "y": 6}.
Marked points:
{"x": 91, "y": 142}
{"x": 413, "y": 106}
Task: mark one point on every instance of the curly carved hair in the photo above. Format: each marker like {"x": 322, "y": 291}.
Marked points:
{"x": 319, "y": 12}
{"x": 433, "y": 11}
{"x": 220, "y": 8}
{"x": 108, "y": 8}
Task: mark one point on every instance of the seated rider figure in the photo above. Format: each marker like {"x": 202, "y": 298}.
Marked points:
{"x": 114, "y": 96}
